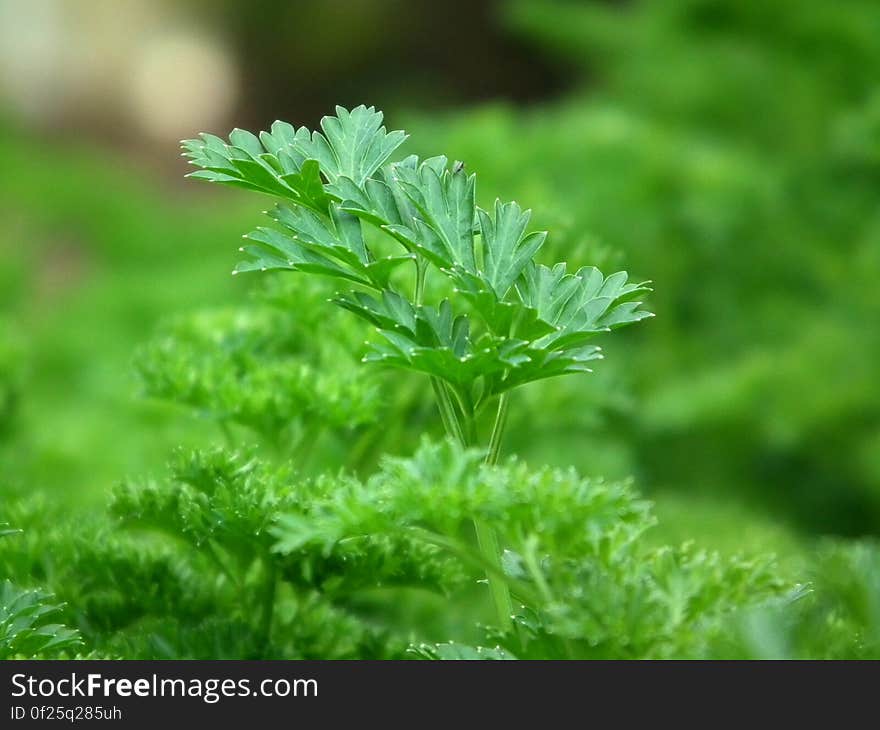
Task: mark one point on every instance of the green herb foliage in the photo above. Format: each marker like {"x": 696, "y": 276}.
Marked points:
{"x": 253, "y": 550}
{"x": 27, "y": 627}
{"x": 507, "y": 321}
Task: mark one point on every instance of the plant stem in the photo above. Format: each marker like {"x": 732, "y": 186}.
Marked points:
{"x": 268, "y": 607}
{"x": 421, "y": 271}
{"x": 498, "y": 430}
{"x": 486, "y": 537}
{"x": 464, "y": 430}
{"x": 534, "y": 568}
{"x": 447, "y": 412}
{"x": 468, "y": 415}
{"x": 491, "y": 552}
{"x": 468, "y": 556}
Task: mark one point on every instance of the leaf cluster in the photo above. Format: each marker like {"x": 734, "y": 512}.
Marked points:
{"x": 586, "y": 584}
{"x": 508, "y": 321}
{"x": 219, "y": 507}
{"x": 835, "y": 615}
{"x": 253, "y": 365}
{"x": 28, "y": 625}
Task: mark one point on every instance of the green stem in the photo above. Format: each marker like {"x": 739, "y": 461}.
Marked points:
{"x": 498, "y": 430}
{"x": 534, "y": 568}
{"x": 268, "y": 607}
{"x": 476, "y": 559}
{"x": 487, "y": 541}
{"x": 491, "y": 552}
{"x": 486, "y": 537}
{"x": 447, "y": 412}
{"x": 421, "y": 271}
{"x": 463, "y": 429}
{"x": 530, "y": 558}
{"x": 468, "y": 415}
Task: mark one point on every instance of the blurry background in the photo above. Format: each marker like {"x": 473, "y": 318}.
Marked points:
{"x": 729, "y": 151}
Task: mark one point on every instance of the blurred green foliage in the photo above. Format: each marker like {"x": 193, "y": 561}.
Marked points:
{"x": 728, "y": 151}
{"x": 86, "y": 276}
{"x": 287, "y": 378}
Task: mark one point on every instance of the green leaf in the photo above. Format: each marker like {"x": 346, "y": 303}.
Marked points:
{"x": 579, "y": 305}
{"x": 331, "y": 235}
{"x": 443, "y": 227}
{"x": 308, "y": 184}
{"x": 288, "y": 163}
{"x": 285, "y": 142}
{"x": 331, "y": 245}
{"x": 430, "y": 340}
{"x": 353, "y": 144}
{"x": 374, "y": 202}
{"x": 452, "y": 651}
{"x": 507, "y": 248}
{"x": 523, "y": 322}
{"x": 276, "y": 250}
{"x": 247, "y": 166}
{"x": 24, "y": 630}
{"x": 246, "y": 141}
{"x": 538, "y": 364}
